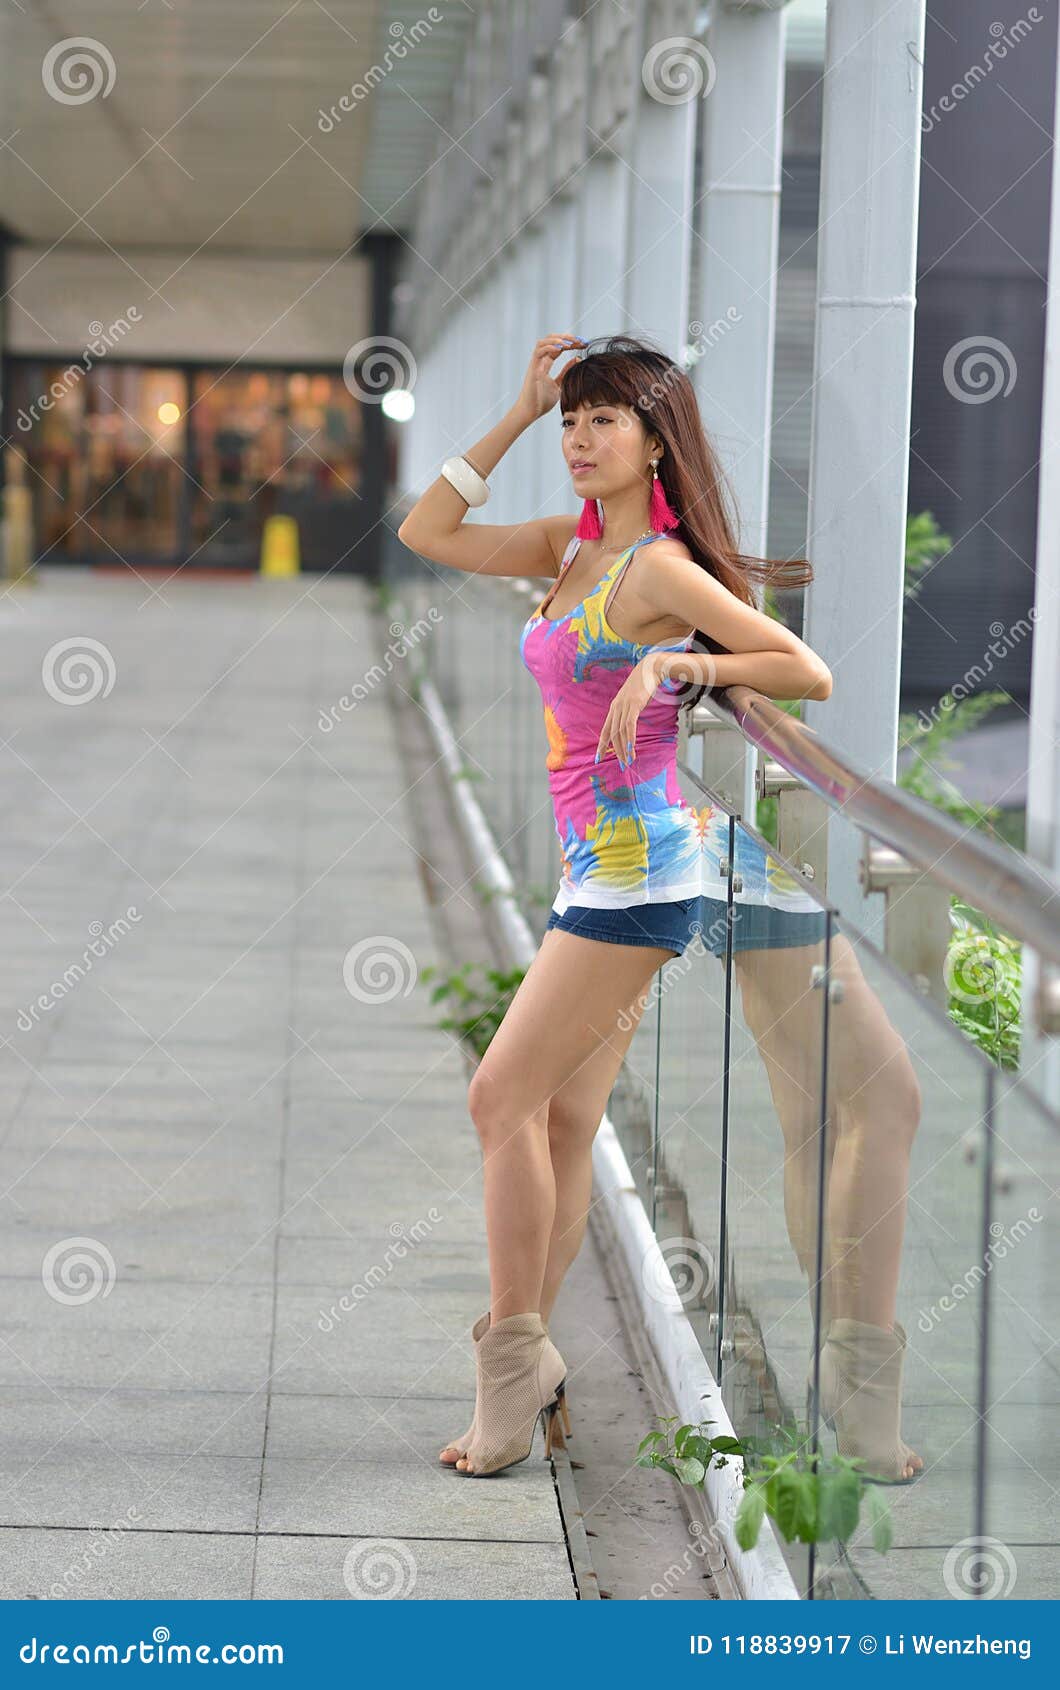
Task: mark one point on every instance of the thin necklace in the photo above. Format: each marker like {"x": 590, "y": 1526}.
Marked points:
{"x": 626, "y": 546}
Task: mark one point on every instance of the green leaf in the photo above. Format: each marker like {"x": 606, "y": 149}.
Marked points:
{"x": 652, "y": 1438}
{"x": 749, "y": 1516}
{"x": 840, "y": 1503}
{"x": 690, "y": 1471}
{"x": 789, "y": 1508}
{"x": 696, "y": 1448}
{"x": 879, "y": 1519}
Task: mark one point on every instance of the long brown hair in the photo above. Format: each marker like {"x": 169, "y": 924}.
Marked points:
{"x": 621, "y": 370}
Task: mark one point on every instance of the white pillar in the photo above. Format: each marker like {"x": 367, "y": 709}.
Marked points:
{"x": 733, "y": 324}
{"x": 660, "y": 256}
{"x": 670, "y": 76}
{"x": 1040, "y": 1058}
{"x": 863, "y": 366}
{"x": 558, "y": 314}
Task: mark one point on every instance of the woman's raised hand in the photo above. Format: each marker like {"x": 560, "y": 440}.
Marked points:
{"x": 540, "y": 389}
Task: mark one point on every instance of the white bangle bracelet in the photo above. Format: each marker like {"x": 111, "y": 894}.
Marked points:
{"x": 467, "y": 481}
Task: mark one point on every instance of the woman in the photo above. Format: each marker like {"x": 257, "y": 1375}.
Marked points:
{"x": 651, "y": 602}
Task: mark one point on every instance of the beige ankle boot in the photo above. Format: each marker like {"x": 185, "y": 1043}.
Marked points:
{"x": 459, "y": 1446}
{"x": 861, "y": 1397}
{"x": 521, "y": 1375}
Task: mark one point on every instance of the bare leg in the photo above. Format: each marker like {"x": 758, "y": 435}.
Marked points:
{"x": 564, "y": 1033}
{"x": 578, "y": 1001}
{"x": 574, "y": 1112}
{"x": 574, "y": 1115}
{"x": 873, "y": 1112}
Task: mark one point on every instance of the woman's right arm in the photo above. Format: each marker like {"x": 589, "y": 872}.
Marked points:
{"x": 435, "y": 526}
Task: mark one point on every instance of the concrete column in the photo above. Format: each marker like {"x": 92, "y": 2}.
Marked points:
{"x": 1041, "y": 1057}
{"x": 671, "y": 78}
{"x": 732, "y": 328}
{"x": 870, "y": 166}
{"x": 559, "y": 313}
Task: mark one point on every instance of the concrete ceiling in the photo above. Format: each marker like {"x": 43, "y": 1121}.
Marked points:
{"x": 188, "y": 123}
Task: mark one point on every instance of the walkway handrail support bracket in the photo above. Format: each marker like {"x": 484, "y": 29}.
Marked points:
{"x": 723, "y": 752}
{"x": 1012, "y": 891}
{"x": 917, "y": 928}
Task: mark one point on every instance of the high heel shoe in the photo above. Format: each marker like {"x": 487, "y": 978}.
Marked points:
{"x": 521, "y": 1376}
{"x": 555, "y": 1439}
{"x": 861, "y": 1398}
{"x": 460, "y": 1445}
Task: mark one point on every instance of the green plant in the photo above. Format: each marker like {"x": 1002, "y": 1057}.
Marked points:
{"x": 925, "y": 775}
{"x": 810, "y": 1497}
{"x": 480, "y": 1007}
{"x": 924, "y": 542}
{"x": 984, "y": 971}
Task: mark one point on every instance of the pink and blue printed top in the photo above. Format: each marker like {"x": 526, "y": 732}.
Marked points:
{"x": 628, "y": 835}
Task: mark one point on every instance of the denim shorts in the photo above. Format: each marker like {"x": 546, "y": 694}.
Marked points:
{"x": 675, "y": 923}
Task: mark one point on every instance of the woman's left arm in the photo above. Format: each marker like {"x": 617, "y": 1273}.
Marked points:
{"x": 762, "y": 653}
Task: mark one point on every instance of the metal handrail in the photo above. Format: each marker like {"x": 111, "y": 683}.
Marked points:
{"x": 1012, "y": 890}
{"x": 1015, "y": 892}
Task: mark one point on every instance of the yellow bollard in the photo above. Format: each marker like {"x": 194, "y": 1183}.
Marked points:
{"x": 279, "y": 546}
{"x": 16, "y": 539}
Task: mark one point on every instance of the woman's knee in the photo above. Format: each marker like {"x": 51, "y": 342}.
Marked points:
{"x": 572, "y": 1121}
{"x": 884, "y": 1113}
{"x": 495, "y": 1109}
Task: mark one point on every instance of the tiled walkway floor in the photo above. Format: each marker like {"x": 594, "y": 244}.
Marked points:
{"x": 226, "y": 1106}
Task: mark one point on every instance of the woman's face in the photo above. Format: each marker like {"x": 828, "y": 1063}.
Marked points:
{"x": 607, "y": 449}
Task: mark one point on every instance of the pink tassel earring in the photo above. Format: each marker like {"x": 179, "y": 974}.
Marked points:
{"x": 589, "y": 525}
{"x": 659, "y": 510}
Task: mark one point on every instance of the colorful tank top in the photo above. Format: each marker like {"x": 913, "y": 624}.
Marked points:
{"x": 628, "y": 835}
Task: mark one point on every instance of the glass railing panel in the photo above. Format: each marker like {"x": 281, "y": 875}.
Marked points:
{"x": 906, "y": 1099}
{"x": 1012, "y": 1280}
{"x": 633, "y": 1106}
{"x": 771, "y": 1177}
{"x": 685, "y": 1198}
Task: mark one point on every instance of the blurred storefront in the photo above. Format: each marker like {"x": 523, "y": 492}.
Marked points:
{"x": 178, "y": 464}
